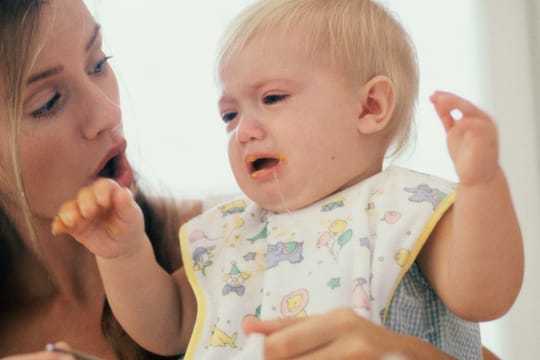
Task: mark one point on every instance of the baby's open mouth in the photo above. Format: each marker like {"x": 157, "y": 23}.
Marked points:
{"x": 257, "y": 164}
{"x": 263, "y": 163}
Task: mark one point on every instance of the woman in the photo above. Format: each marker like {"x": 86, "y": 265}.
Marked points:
{"x": 60, "y": 128}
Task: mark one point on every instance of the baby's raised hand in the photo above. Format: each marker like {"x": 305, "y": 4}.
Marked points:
{"x": 472, "y": 139}
{"x": 104, "y": 218}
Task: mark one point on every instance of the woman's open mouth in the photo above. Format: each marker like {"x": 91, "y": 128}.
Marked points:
{"x": 110, "y": 169}
{"x": 118, "y": 169}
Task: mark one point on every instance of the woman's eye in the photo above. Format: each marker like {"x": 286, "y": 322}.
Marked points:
{"x": 100, "y": 65}
{"x": 274, "y": 98}
{"x": 48, "y": 108}
{"x": 228, "y": 117}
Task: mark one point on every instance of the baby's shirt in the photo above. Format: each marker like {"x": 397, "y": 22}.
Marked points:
{"x": 350, "y": 249}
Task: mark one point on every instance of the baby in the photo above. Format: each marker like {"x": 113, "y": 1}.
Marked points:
{"x": 314, "y": 95}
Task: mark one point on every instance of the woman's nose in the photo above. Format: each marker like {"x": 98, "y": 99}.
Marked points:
{"x": 102, "y": 112}
{"x": 249, "y": 129}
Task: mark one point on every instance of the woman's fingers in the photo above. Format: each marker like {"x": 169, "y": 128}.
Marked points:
{"x": 251, "y": 324}
{"x": 288, "y": 338}
{"x": 309, "y": 336}
{"x": 301, "y": 338}
{"x": 340, "y": 333}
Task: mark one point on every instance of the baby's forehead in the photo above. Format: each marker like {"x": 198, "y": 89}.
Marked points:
{"x": 295, "y": 42}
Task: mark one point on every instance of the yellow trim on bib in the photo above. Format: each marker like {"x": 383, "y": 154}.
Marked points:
{"x": 201, "y": 303}
{"x": 420, "y": 242}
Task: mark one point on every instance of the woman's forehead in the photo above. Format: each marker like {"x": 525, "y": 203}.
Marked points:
{"x": 65, "y": 17}
{"x": 65, "y": 26}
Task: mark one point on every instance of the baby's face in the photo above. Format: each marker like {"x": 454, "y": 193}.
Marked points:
{"x": 292, "y": 125}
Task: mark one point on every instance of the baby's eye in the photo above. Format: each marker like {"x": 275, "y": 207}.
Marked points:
{"x": 48, "y": 108}
{"x": 100, "y": 65}
{"x": 228, "y": 117}
{"x": 274, "y": 98}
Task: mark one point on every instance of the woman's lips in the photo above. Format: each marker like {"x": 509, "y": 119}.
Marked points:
{"x": 123, "y": 173}
{"x": 115, "y": 165}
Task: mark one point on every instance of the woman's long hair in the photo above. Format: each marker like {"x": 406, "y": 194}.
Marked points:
{"x": 19, "y": 46}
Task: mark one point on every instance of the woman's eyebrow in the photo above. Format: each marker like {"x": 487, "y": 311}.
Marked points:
{"x": 58, "y": 69}
{"x": 44, "y": 74}
{"x": 95, "y": 35}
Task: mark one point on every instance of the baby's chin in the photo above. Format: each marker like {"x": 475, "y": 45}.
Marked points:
{"x": 282, "y": 204}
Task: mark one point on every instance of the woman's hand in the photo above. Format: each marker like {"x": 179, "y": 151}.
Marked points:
{"x": 339, "y": 334}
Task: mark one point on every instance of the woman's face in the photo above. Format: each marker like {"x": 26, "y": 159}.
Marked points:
{"x": 71, "y": 129}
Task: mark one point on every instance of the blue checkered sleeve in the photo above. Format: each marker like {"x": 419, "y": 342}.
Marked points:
{"x": 416, "y": 310}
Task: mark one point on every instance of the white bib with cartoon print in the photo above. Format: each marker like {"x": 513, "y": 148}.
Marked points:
{"x": 348, "y": 250}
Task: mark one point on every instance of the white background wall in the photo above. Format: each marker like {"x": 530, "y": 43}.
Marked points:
{"x": 485, "y": 50}
{"x": 510, "y": 31}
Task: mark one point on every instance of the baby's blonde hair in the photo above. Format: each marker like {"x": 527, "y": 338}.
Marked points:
{"x": 359, "y": 38}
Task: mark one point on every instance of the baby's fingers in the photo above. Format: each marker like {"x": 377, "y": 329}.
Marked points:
{"x": 88, "y": 205}
{"x": 104, "y": 190}
{"x": 68, "y": 216}
{"x": 445, "y": 103}
{"x": 110, "y": 195}
{"x": 123, "y": 199}
{"x": 94, "y": 202}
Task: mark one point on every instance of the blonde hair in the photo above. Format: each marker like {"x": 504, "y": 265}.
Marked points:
{"x": 19, "y": 46}
{"x": 19, "y": 23}
{"x": 359, "y": 38}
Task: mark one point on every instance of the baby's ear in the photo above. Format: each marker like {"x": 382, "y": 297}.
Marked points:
{"x": 378, "y": 102}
